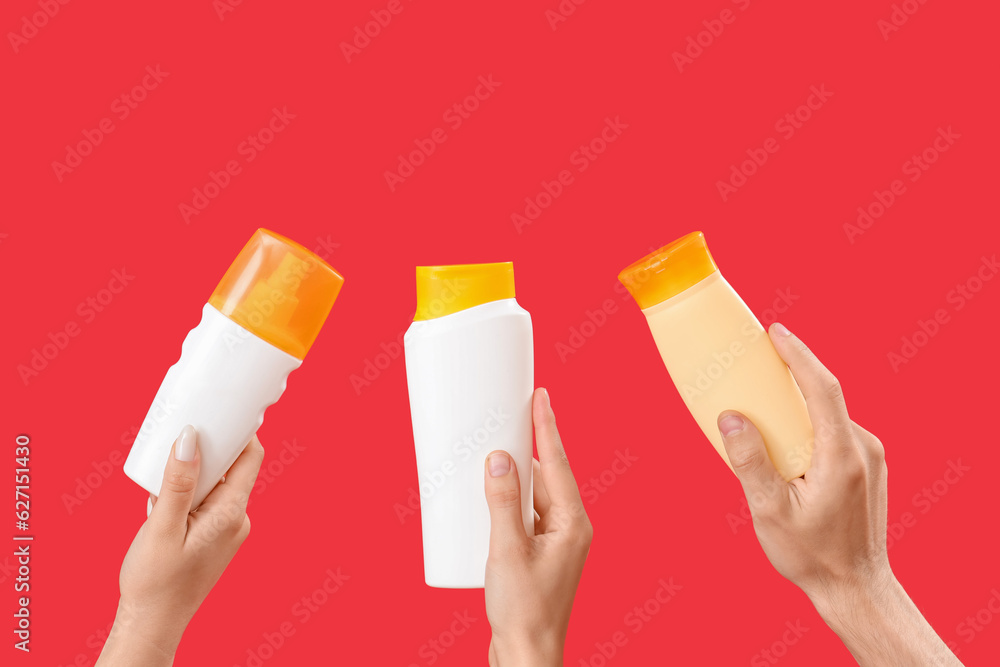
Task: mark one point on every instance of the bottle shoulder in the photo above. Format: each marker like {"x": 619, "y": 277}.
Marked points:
{"x": 712, "y": 283}
{"x": 486, "y": 314}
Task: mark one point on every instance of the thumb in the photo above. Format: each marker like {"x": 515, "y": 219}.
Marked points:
{"x": 180, "y": 478}
{"x": 748, "y": 455}
{"x": 503, "y": 494}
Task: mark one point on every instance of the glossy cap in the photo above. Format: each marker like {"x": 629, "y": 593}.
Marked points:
{"x": 668, "y": 271}
{"x": 279, "y": 291}
{"x": 443, "y": 290}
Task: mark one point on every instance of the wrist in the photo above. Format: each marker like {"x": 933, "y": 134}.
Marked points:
{"x": 540, "y": 649}
{"x": 879, "y": 623}
{"x": 865, "y": 612}
{"x": 139, "y": 630}
{"x": 855, "y": 599}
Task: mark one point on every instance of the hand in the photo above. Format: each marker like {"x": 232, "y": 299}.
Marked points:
{"x": 178, "y": 555}
{"x": 826, "y": 532}
{"x": 531, "y": 580}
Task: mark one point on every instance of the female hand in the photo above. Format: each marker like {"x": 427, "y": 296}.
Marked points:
{"x": 531, "y": 580}
{"x": 178, "y": 555}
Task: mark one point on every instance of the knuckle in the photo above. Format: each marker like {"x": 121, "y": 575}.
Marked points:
{"x": 585, "y": 534}
{"x": 745, "y": 460}
{"x": 505, "y": 498}
{"x": 230, "y": 528}
{"x": 179, "y": 482}
{"x": 801, "y": 349}
{"x": 855, "y": 473}
{"x": 559, "y": 518}
{"x": 878, "y": 449}
{"x": 832, "y": 388}
{"x": 235, "y": 519}
{"x": 244, "y": 531}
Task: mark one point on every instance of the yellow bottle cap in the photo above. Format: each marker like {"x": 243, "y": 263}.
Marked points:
{"x": 443, "y": 290}
{"x": 279, "y": 291}
{"x": 668, "y": 271}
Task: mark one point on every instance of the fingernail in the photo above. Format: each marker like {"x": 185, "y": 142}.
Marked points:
{"x": 499, "y": 464}
{"x": 731, "y": 424}
{"x": 548, "y": 401}
{"x": 149, "y": 506}
{"x": 184, "y": 447}
{"x": 780, "y": 329}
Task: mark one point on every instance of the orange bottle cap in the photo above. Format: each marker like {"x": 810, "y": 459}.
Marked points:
{"x": 668, "y": 271}
{"x": 279, "y": 291}
{"x": 443, "y": 290}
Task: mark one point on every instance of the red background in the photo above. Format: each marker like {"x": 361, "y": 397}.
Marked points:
{"x": 670, "y": 514}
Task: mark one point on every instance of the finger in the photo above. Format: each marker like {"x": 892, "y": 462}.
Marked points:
{"x": 820, "y": 388}
{"x": 240, "y": 478}
{"x": 503, "y": 495}
{"x": 871, "y": 447}
{"x": 180, "y": 478}
{"x": 539, "y": 494}
{"x": 149, "y": 504}
{"x": 555, "y": 473}
{"x": 748, "y": 456}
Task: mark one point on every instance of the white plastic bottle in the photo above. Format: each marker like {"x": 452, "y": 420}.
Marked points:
{"x": 255, "y": 329}
{"x": 718, "y": 355}
{"x": 469, "y": 371}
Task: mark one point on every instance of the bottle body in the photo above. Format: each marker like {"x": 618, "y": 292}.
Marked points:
{"x": 720, "y": 358}
{"x": 470, "y": 380}
{"x": 224, "y": 380}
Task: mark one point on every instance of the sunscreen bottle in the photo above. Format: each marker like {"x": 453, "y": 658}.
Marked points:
{"x": 469, "y": 372}
{"x": 255, "y": 329}
{"x": 717, "y": 353}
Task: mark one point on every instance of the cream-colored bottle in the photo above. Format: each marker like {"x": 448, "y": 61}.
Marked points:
{"x": 717, "y": 353}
